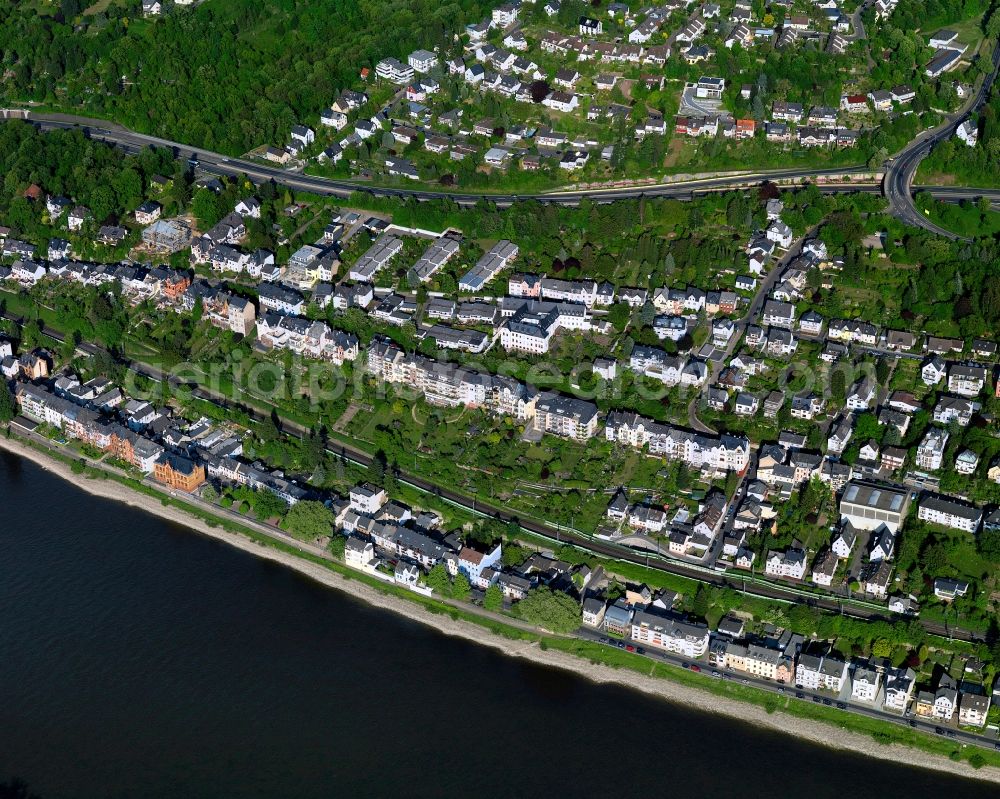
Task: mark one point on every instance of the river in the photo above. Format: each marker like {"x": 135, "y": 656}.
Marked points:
{"x": 139, "y": 659}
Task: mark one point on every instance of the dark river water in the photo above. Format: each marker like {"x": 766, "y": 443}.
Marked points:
{"x": 138, "y": 659}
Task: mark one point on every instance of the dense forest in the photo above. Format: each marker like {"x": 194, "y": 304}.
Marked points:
{"x": 226, "y": 75}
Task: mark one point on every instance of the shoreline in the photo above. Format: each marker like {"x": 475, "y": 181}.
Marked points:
{"x": 814, "y": 731}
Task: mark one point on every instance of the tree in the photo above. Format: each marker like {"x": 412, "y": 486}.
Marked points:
{"x": 309, "y": 519}
{"x": 838, "y": 385}
{"x": 882, "y": 648}
{"x": 988, "y": 541}
{"x": 461, "y": 588}
{"x": 539, "y": 90}
{"x": 438, "y": 580}
{"x": 619, "y": 315}
{"x": 338, "y": 543}
{"x": 493, "y": 600}
{"x": 377, "y": 468}
{"x": 8, "y": 406}
{"x": 700, "y": 604}
{"x": 513, "y": 554}
{"x": 882, "y": 370}
{"x": 551, "y": 610}
{"x": 205, "y": 207}
{"x": 867, "y": 427}
{"x": 267, "y": 505}
{"x": 934, "y": 558}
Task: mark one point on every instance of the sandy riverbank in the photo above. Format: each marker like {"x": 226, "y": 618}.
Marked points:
{"x": 814, "y": 731}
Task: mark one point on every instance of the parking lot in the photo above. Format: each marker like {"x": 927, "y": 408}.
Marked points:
{"x": 692, "y": 105}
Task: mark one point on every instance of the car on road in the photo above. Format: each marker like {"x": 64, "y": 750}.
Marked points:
{"x": 799, "y": 695}
{"x": 604, "y": 639}
{"x": 620, "y": 644}
{"x": 817, "y": 700}
{"x": 842, "y": 705}
{"x": 696, "y": 667}
{"x": 640, "y": 650}
{"x": 716, "y": 674}
{"x": 827, "y": 702}
{"x": 745, "y": 681}
{"x": 629, "y": 648}
{"x": 952, "y": 734}
{"x": 938, "y": 731}
{"x": 913, "y": 723}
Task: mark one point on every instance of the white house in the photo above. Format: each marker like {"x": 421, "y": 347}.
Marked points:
{"x": 366, "y": 498}
{"x": 779, "y": 233}
{"x": 790, "y": 564}
{"x": 473, "y": 564}
{"x": 422, "y": 61}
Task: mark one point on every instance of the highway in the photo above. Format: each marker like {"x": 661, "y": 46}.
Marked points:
{"x": 218, "y": 164}
{"x": 899, "y": 172}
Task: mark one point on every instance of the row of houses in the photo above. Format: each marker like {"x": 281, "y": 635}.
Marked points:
{"x": 715, "y": 454}
{"x": 783, "y": 659}
{"x": 148, "y": 439}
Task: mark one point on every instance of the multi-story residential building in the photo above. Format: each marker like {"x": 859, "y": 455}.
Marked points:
{"x": 178, "y": 472}
{"x": 473, "y": 564}
{"x": 953, "y": 409}
{"x": 498, "y": 258}
{"x": 359, "y": 553}
{"x": 422, "y": 61}
{"x": 435, "y": 256}
{"x": 684, "y": 638}
{"x": 593, "y": 612}
{"x": 938, "y": 705}
{"x": 967, "y": 379}
{"x": 760, "y": 661}
{"x": 376, "y": 258}
{"x": 450, "y": 385}
{"x": 567, "y": 417}
{"x": 899, "y": 684}
{"x": 950, "y": 513}
{"x": 973, "y": 709}
{"x": 779, "y": 314}
{"x": 530, "y": 329}
{"x": 280, "y": 299}
{"x": 820, "y": 673}
{"x": 930, "y": 453}
{"x": 393, "y": 70}
{"x": 865, "y": 683}
{"x": 312, "y": 339}
{"x": 699, "y": 451}
{"x": 790, "y": 564}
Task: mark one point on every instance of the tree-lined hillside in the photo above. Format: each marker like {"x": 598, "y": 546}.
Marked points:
{"x": 226, "y": 75}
